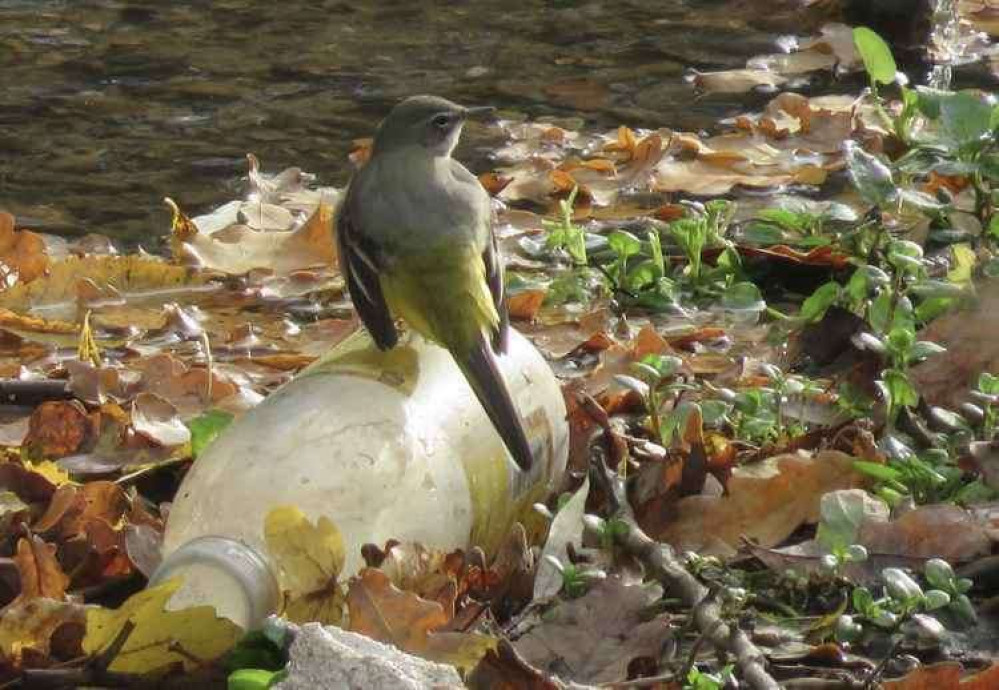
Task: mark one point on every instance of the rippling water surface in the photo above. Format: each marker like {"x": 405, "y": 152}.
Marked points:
{"x": 106, "y": 106}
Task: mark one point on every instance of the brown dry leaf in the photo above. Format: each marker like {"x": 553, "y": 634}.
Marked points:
{"x": 58, "y": 428}
{"x": 946, "y": 675}
{"x": 27, "y": 484}
{"x": 524, "y": 305}
{"x": 383, "y": 612}
{"x": 765, "y": 502}
{"x": 431, "y": 574}
{"x": 120, "y": 275}
{"x": 929, "y": 531}
{"x": 503, "y": 669}
{"x": 156, "y": 419}
{"x": 22, "y": 322}
{"x": 72, "y": 508}
{"x": 594, "y": 638}
{"x": 29, "y": 625}
{"x": 41, "y": 574}
{"x": 238, "y": 249}
{"x": 22, "y": 254}
{"x": 190, "y": 389}
{"x": 972, "y": 347}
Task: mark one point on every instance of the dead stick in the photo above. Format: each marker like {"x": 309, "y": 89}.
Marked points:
{"x": 662, "y": 564}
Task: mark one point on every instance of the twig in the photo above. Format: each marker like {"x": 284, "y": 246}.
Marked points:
{"x": 31, "y": 393}
{"x": 661, "y": 563}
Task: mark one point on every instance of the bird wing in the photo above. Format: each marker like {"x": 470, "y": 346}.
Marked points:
{"x": 360, "y": 267}
{"x": 494, "y": 278}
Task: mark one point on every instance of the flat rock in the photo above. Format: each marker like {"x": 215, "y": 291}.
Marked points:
{"x": 328, "y": 657}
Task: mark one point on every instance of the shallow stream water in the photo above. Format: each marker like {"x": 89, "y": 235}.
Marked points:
{"x": 106, "y": 106}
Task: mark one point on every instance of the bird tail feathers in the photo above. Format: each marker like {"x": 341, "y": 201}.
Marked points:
{"x": 483, "y": 374}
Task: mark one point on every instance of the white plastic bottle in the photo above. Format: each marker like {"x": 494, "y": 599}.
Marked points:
{"x": 387, "y": 445}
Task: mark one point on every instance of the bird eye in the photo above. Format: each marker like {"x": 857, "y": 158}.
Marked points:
{"x": 441, "y": 121}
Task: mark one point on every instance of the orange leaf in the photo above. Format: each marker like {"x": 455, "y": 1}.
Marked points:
{"x": 57, "y": 428}
{"x": 22, "y": 253}
{"x": 524, "y": 305}
{"x": 382, "y": 612}
{"x": 41, "y": 574}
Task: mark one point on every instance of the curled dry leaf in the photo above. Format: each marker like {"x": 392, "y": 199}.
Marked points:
{"x": 156, "y": 419}
{"x": 74, "y": 507}
{"x": 118, "y": 276}
{"x": 281, "y": 243}
{"x": 58, "y": 428}
{"x": 22, "y": 254}
{"x": 41, "y": 574}
{"x": 383, "y": 612}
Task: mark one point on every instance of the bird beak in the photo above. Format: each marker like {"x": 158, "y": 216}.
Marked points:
{"x": 480, "y": 110}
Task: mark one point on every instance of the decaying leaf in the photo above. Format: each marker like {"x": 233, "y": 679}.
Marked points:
{"x": 30, "y": 623}
{"x": 592, "y": 639}
{"x": 156, "y": 419}
{"x": 22, "y": 254}
{"x": 381, "y": 611}
{"x": 41, "y": 574}
{"x": 95, "y": 277}
{"x": 279, "y": 242}
{"x": 191, "y": 637}
{"x": 765, "y": 502}
{"x": 310, "y": 558}
{"x": 57, "y": 428}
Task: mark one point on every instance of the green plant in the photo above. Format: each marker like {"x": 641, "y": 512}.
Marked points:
{"x": 563, "y": 233}
{"x": 701, "y": 680}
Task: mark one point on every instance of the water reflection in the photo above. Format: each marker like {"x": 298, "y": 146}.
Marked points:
{"x": 109, "y": 105}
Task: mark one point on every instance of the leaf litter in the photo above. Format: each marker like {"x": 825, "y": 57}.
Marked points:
{"x": 667, "y": 314}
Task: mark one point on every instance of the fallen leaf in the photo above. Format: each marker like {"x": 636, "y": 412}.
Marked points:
{"x": 41, "y": 574}
{"x": 57, "y": 428}
{"x": 30, "y": 624}
{"x": 22, "y": 254}
{"x": 525, "y": 304}
{"x": 238, "y": 249}
{"x": 157, "y": 419}
{"x": 504, "y": 669}
{"x": 191, "y": 637}
{"x": 309, "y": 559}
{"x": 969, "y": 336}
{"x": 594, "y": 638}
{"x": 73, "y": 507}
{"x": 120, "y": 276}
{"x": 945, "y": 675}
{"x": 764, "y": 502}
{"x": 929, "y": 531}
{"x": 383, "y": 612}
{"x": 566, "y": 531}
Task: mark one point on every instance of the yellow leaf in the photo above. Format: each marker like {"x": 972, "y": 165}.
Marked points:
{"x": 192, "y": 637}
{"x": 50, "y": 470}
{"x": 964, "y": 263}
{"x": 309, "y": 559}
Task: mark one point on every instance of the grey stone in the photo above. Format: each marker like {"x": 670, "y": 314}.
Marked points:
{"x": 328, "y": 657}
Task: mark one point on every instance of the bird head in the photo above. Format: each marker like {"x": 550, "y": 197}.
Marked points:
{"x": 429, "y": 122}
